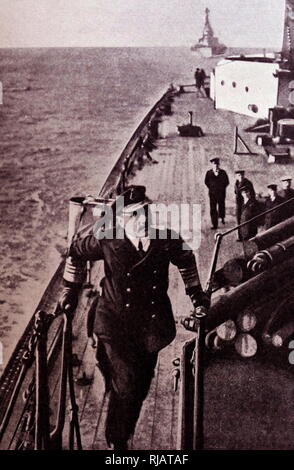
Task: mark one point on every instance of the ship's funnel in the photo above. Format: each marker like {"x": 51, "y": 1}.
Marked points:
{"x": 76, "y": 211}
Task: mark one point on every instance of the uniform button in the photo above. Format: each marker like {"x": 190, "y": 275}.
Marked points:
{"x": 154, "y": 287}
{"x": 128, "y": 274}
{"x": 127, "y": 305}
{"x": 155, "y": 272}
{"x": 152, "y": 303}
{"x": 128, "y": 289}
{"x": 153, "y": 316}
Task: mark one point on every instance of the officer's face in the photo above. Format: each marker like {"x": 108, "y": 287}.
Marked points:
{"x": 136, "y": 223}
{"x": 272, "y": 193}
{"x": 239, "y": 176}
{"x": 215, "y": 166}
{"x": 286, "y": 184}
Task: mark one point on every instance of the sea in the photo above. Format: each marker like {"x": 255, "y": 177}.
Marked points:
{"x": 65, "y": 116}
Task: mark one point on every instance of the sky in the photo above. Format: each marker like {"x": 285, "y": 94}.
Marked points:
{"x": 114, "y": 23}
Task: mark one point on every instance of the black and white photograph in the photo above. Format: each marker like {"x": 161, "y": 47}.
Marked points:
{"x": 147, "y": 227}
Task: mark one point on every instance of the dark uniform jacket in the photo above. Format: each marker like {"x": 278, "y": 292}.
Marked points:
{"x": 134, "y": 302}
{"x": 249, "y": 210}
{"x": 238, "y": 185}
{"x": 289, "y": 208}
{"x": 217, "y": 184}
{"x": 275, "y": 217}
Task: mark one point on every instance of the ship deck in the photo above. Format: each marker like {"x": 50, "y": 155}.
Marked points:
{"x": 248, "y": 404}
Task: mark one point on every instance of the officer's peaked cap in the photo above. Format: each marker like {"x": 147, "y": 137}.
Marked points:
{"x": 134, "y": 198}
{"x": 286, "y": 178}
{"x": 273, "y": 187}
{"x": 215, "y": 160}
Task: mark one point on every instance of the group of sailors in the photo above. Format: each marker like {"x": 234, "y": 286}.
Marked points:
{"x": 248, "y": 206}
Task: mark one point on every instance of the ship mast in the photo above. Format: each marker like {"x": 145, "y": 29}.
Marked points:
{"x": 288, "y": 42}
{"x": 208, "y": 33}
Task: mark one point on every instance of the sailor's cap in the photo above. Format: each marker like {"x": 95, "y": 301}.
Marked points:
{"x": 215, "y": 160}
{"x": 239, "y": 172}
{"x": 286, "y": 178}
{"x": 273, "y": 187}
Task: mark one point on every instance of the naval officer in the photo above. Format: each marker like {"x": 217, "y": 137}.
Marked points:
{"x": 134, "y": 319}
{"x": 250, "y": 209}
{"x": 240, "y": 183}
{"x": 217, "y": 181}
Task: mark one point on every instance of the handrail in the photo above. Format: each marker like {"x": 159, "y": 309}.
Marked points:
{"x": 42, "y": 425}
{"x": 221, "y": 236}
{"x": 199, "y": 327}
{"x": 41, "y": 322}
{"x": 55, "y": 440}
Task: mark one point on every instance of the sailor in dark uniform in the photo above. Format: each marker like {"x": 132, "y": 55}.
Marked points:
{"x": 274, "y": 217}
{"x": 287, "y": 193}
{"x": 200, "y": 76}
{"x": 241, "y": 182}
{"x": 134, "y": 319}
{"x": 250, "y": 209}
{"x": 217, "y": 181}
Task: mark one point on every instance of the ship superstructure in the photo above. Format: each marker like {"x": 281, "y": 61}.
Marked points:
{"x": 252, "y": 84}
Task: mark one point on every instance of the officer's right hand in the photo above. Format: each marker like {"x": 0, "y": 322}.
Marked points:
{"x": 68, "y": 300}
{"x": 190, "y": 323}
{"x": 198, "y": 297}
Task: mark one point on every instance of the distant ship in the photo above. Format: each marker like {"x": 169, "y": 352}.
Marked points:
{"x": 208, "y": 45}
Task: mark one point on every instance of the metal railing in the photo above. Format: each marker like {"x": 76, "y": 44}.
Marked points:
{"x": 220, "y": 236}
{"x": 198, "y": 325}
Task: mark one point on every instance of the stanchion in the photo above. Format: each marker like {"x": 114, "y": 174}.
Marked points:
{"x": 66, "y": 378}
{"x": 199, "y": 367}
{"x": 42, "y": 393}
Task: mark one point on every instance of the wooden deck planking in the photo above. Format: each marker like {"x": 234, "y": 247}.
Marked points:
{"x": 185, "y": 162}
{"x": 142, "y": 438}
{"x": 188, "y": 159}
{"x": 161, "y": 435}
{"x": 178, "y": 177}
{"x": 96, "y": 409}
{"x": 89, "y": 397}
